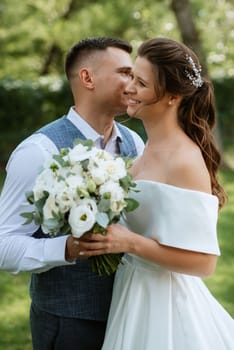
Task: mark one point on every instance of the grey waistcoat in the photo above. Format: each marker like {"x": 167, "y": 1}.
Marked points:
{"x": 74, "y": 290}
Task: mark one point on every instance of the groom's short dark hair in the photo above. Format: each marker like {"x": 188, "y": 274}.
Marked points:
{"x": 89, "y": 45}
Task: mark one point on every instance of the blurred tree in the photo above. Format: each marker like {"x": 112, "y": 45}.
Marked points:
{"x": 189, "y": 32}
{"x": 34, "y": 34}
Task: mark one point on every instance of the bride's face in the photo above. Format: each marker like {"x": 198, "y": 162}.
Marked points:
{"x": 141, "y": 91}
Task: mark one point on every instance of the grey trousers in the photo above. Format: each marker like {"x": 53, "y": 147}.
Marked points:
{"x": 51, "y": 332}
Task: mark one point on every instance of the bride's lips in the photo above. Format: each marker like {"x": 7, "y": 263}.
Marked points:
{"x": 132, "y": 102}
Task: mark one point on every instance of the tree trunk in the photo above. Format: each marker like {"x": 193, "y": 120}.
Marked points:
{"x": 190, "y": 36}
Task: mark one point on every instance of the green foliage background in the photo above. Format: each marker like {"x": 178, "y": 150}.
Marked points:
{"x": 34, "y": 37}
{"x": 29, "y": 29}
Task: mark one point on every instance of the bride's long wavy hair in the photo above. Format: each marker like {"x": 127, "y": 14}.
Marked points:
{"x": 177, "y": 74}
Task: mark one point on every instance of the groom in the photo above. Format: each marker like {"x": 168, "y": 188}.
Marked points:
{"x": 70, "y": 303}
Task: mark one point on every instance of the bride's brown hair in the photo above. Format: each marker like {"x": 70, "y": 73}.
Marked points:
{"x": 177, "y": 71}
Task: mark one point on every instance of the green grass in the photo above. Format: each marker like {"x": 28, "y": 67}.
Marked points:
{"x": 14, "y": 296}
{"x": 222, "y": 282}
{"x": 14, "y": 312}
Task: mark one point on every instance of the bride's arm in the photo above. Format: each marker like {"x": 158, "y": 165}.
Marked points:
{"x": 120, "y": 239}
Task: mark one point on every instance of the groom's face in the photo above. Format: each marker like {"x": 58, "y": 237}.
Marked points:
{"x": 111, "y": 76}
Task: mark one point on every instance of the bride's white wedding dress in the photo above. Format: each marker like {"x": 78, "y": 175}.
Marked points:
{"x": 156, "y": 309}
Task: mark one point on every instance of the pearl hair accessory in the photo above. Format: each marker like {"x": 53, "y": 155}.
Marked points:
{"x": 195, "y": 78}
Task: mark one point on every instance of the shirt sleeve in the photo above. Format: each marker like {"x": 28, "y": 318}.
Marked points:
{"x": 19, "y": 251}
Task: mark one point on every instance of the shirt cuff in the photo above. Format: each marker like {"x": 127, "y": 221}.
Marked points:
{"x": 54, "y": 250}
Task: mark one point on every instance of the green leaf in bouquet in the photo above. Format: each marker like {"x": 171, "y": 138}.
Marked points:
{"x": 28, "y": 217}
{"x": 65, "y": 229}
{"x": 87, "y": 143}
{"x": 132, "y": 204}
{"x": 51, "y": 224}
{"x": 128, "y": 162}
{"x": 37, "y": 217}
{"x": 61, "y": 178}
{"x": 39, "y": 204}
{"x": 99, "y": 229}
{"x": 84, "y": 163}
{"x": 113, "y": 217}
{"x": 82, "y": 192}
{"x": 102, "y": 219}
{"x": 104, "y": 205}
{"x": 30, "y": 197}
{"x": 58, "y": 216}
{"x": 126, "y": 182}
{"x": 63, "y": 163}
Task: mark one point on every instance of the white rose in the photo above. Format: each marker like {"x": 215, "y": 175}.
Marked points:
{"x": 65, "y": 201}
{"x": 49, "y": 207}
{"x": 97, "y": 171}
{"x": 117, "y": 195}
{"x": 66, "y": 196}
{"x": 115, "y": 169}
{"x": 74, "y": 181}
{"x": 76, "y": 169}
{"x": 81, "y": 220}
{"x": 44, "y": 182}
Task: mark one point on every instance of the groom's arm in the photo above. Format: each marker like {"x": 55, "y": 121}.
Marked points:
{"x": 19, "y": 251}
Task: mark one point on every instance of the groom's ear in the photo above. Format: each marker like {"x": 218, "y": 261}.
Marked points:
{"x": 86, "y": 78}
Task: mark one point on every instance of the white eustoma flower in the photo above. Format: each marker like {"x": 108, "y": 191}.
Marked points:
{"x": 81, "y": 219}
{"x": 90, "y": 203}
{"x": 80, "y": 152}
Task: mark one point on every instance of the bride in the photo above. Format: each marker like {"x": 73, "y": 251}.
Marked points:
{"x": 170, "y": 242}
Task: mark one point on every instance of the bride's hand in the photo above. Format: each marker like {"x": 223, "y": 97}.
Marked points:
{"x": 117, "y": 240}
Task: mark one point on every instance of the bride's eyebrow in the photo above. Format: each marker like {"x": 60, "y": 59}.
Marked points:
{"x": 140, "y": 78}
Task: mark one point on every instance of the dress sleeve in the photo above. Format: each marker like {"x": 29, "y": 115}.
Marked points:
{"x": 190, "y": 222}
{"x": 176, "y": 217}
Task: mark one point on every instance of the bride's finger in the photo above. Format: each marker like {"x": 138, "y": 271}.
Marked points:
{"x": 92, "y": 246}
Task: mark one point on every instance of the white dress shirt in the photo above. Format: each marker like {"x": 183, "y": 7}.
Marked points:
{"x": 18, "y": 250}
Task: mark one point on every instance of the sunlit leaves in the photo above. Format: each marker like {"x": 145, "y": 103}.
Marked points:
{"x": 30, "y": 29}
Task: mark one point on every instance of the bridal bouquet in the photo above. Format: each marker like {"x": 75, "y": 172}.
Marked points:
{"x": 79, "y": 190}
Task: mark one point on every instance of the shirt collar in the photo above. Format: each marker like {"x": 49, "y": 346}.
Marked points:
{"x": 87, "y": 130}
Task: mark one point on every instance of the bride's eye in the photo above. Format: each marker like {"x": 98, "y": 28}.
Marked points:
{"x": 141, "y": 83}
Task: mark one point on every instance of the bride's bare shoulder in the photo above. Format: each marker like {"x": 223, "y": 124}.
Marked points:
{"x": 188, "y": 170}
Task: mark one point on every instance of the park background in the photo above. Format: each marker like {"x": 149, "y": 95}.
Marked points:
{"x": 34, "y": 37}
